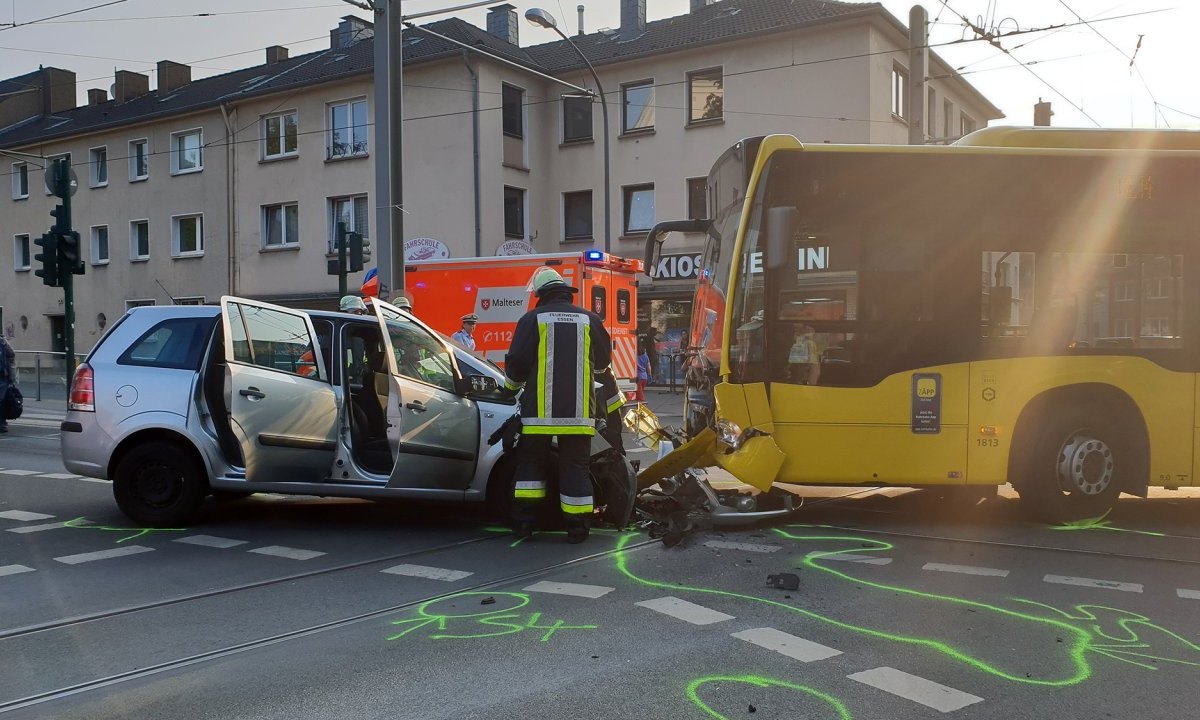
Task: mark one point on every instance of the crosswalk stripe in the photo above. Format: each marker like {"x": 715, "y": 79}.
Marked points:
{"x": 103, "y": 554}
{"x": 59, "y": 476}
{"x": 37, "y": 528}
{"x": 572, "y": 589}
{"x": 23, "y": 515}
{"x": 910, "y": 687}
{"x": 19, "y": 473}
{"x": 429, "y": 573}
{"x": 965, "y": 569}
{"x": 1188, "y": 594}
{"x": 684, "y": 610}
{"x": 850, "y": 557}
{"x": 791, "y": 646}
{"x": 13, "y": 569}
{"x": 210, "y": 541}
{"x": 1091, "y": 582}
{"x": 287, "y": 552}
{"x": 748, "y": 547}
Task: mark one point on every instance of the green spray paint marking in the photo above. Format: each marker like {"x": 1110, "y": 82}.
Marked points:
{"x": 1099, "y": 523}
{"x": 498, "y": 621}
{"x": 693, "y": 692}
{"x": 83, "y": 524}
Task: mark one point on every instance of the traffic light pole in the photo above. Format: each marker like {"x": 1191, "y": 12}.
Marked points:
{"x": 68, "y": 277}
{"x": 341, "y": 244}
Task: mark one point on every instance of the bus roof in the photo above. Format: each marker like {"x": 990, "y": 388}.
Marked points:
{"x": 1082, "y": 138}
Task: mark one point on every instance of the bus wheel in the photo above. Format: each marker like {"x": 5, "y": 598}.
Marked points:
{"x": 1076, "y": 468}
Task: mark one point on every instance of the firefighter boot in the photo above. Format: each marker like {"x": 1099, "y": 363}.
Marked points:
{"x": 577, "y": 530}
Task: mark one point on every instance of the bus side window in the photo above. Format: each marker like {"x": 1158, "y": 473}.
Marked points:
{"x": 623, "y": 307}
{"x": 599, "y": 303}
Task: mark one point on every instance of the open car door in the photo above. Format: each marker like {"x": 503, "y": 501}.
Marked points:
{"x": 432, "y": 430}
{"x": 282, "y": 408}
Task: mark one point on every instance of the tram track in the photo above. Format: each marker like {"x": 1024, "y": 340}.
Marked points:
{"x": 45, "y": 696}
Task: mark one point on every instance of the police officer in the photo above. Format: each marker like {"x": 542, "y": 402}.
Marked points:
{"x": 557, "y": 349}
{"x": 464, "y": 336}
{"x": 353, "y": 304}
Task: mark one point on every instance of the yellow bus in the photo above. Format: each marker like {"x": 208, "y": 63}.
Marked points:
{"x": 1022, "y": 306}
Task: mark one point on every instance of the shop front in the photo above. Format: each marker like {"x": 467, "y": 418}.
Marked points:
{"x": 665, "y": 314}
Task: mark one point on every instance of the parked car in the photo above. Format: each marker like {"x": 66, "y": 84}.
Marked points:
{"x": 179, "y": 402}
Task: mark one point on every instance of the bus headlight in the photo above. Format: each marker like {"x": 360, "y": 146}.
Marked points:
{"x": 730, "y": 434}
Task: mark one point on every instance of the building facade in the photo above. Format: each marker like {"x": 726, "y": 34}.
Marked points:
{"x": 234, "y": 184}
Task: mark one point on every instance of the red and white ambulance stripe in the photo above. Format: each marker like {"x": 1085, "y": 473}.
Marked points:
{"x": 624, "y": 357}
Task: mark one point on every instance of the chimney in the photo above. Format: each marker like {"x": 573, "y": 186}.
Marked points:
{"x": 700, "y": 4}
{"x": 58, "y": 90}
{"x": 349, "y": 31}
{"x": 129, "y": 85}
{"x": 633, "y": 17}
{"x": 502, "y": 22}
{"x": 172, "y": 76}
{"x": 276, "y": 53}
{"x": 580, "y": 9}
{"x": 97, "y": 96}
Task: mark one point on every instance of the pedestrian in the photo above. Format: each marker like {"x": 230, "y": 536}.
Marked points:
{"x": 652, "y": 350}
{"x": 8, "y": 377}
{"x": 466, "y": 337}
{"x": 802, "y": 357}
{"x": 558, "y": 348}
{"x": 353, "y": 304}
{"x": 643, "y": 372}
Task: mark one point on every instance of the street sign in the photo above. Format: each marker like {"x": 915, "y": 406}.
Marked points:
{"x": 52, "y": 185}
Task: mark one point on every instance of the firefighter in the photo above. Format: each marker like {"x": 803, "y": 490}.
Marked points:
{"x": 558, "y": 350}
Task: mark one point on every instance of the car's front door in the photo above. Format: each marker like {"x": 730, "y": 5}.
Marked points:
{"x": 281, "y": 405}
{"x": 433, "y": 431}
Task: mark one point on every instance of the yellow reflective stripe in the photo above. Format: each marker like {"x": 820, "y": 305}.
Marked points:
{"x": 576, "y": 509}
{"x": 512, "y": 384}
{"x": 615, "y": 402}
{"x": 532, "y": 494}
{"x": 542, "y": 369}
{"x": 557, "y": 430}
{"x": 587, "y": 366}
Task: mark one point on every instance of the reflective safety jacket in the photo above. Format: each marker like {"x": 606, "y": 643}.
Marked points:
{"x": 556, "y": 351}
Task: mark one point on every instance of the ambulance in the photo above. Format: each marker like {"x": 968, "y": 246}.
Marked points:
{"x": 496, "y": 290}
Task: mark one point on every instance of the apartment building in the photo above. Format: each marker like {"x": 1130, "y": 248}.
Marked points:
{"x": 234, "y": 183}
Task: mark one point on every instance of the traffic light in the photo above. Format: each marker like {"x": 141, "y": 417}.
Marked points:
{"x": 48, "y": 259}
{"x": 62, "y": 218}
{"x": 355, "y": 241}
{"x": 69, "y": 249}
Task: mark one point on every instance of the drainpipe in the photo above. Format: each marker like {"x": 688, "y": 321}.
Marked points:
{"x": 475, "y": 150}
{"x": 230, "y": 195}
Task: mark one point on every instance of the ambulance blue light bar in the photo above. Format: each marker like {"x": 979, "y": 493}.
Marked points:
{"x": 593, "y": 257}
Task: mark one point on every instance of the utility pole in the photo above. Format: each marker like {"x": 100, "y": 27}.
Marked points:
{"x": 918, "y": 67}
{"x": 389, "y": 145}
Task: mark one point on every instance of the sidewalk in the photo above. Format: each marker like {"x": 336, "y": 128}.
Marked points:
{"x": 44, "y": 409}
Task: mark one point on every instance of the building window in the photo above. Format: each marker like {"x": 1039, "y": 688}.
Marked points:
{"x": 639, "y": 208}
{"x": 899, "y": 92}
{"x": 514, "y": 212}
{"x": 348, "y": 129}
{"x": 968, "y": 124}
{"x": 279, "y": 135}
{"x": 99, "y": 245}
{"x": 577, "y": 215}
{"x": 131, "y": 304}
{"x": 194, "y": 300}
{"x": 947, "y": 119}
{"x": 187, "y": 152}
{"x": 697, "y": 198}
{"x": 1158, "y": 288}
{"x": 706, "y": 95}
{"x": 139, "y": 160}
{"x": 20, "y": 252}
{"x": 98, "y": 167}
{"x": 638, "y": 101}
{"x": 281, "y": 225}
{"x": 513, "y": 101}
{"x": 20, "y": 181}
{"x": 187, "y": 235}
{"x": 350, "y": 210}
{"x": 577, "y": 119}
{"x": 139, "y": 240}
{"x": 1125, "y": 291}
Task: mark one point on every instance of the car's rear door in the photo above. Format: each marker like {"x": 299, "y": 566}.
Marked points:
{"x": 282, "y": 407}
{"x": 433, "y": 431}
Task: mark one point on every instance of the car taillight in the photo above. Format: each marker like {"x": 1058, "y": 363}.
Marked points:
{"x": 83, "y": 391}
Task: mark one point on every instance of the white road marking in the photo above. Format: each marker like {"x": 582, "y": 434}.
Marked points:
{"x": 60, "y": 476}
{"x": 748, "y": 547}
{"x": 210, "y": 541}
{"x": 794, "y": 647}
{"x": 38, "y": 528}
{"x": 572, "y": 589}
{"x": 918, "y": 689}
{"x": 23, "y": 515}
{"x": 19, "y": 472}
{"x": 287, "y": 552}
{"x": 103, "y": 554}
{"x": 95, "y": 480}
{"x": 429, "y": 573}
{"x": 850, "y": 557}
{"x": 38, "y": 423}
{"x": 14, "y": 569}
{"x": 684, "y": 610}
{"x": 1188, "y": 594}
{"x": 965, "y": 569}
{"x": 1091, "y": 582}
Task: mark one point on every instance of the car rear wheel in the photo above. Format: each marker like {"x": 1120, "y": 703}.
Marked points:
{"x": 157, "y": 484}
{"x": 1076, "y": 468}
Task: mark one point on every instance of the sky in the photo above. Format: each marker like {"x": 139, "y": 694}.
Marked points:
{"x": 1084, "y": 69}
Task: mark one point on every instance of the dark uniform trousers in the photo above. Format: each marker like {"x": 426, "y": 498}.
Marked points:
{"x": 535, "y": 462}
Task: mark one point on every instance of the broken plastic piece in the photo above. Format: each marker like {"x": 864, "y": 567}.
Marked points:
{"x": 784, "y": 581}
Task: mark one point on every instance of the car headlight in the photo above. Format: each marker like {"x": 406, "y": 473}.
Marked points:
{"x": 730, "y": 434}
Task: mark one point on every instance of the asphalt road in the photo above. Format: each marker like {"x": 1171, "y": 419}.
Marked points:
{"x": 308, "y": 608}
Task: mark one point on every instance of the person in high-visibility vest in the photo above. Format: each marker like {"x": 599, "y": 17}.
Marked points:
{"x": 558, "y": 349}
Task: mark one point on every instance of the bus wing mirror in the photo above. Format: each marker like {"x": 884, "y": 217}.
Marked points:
{"x": 659, "y": 232}
{"x": 781, "y": 228}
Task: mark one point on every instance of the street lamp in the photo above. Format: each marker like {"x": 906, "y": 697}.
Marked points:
{"x": 541, "y": 18}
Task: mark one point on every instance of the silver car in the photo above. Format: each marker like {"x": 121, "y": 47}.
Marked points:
{"x": 176, "y": 403}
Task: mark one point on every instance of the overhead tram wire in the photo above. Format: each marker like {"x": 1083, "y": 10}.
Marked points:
{"x": 193, "y": 15}
{"x": 15, "y": 24}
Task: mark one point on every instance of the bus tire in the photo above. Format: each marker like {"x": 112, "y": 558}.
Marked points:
{"x": 1077, "y": 466}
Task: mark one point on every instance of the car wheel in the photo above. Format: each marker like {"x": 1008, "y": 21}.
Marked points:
{"x": 159, "y": 485}
{"x": 1076, "y": 467}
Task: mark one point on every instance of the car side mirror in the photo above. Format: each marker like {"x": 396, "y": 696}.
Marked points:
{"x": 781, "y": 229}
{"x": 477, "y": 385}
